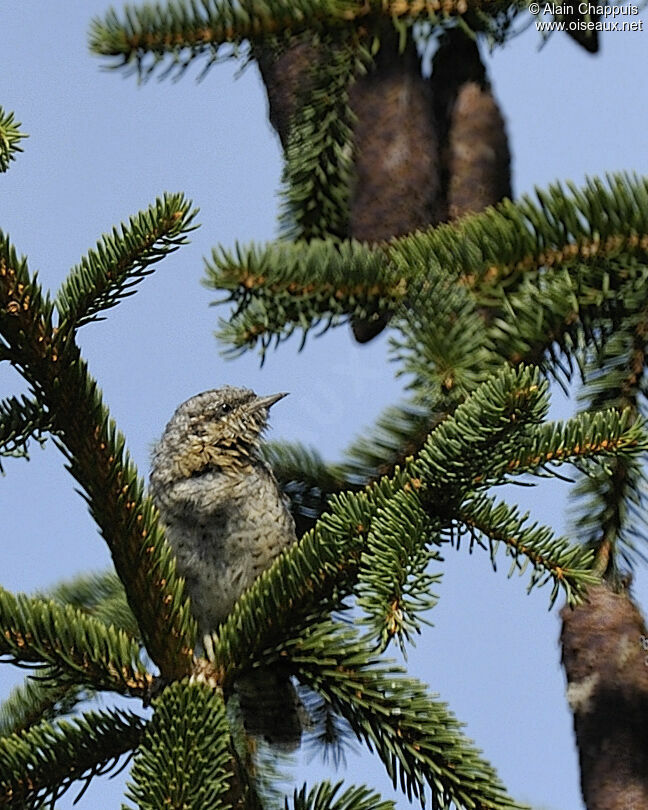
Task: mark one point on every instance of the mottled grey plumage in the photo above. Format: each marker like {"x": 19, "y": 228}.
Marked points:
{"x": 226, "y": 520}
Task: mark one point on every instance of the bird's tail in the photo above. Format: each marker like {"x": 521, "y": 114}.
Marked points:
{"x": 271, "y": 708}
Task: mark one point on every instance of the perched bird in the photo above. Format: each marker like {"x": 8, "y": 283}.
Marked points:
{"x": 226, "y": 520}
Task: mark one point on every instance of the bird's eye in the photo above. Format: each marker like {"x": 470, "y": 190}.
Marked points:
{"x": 225, "y": 407}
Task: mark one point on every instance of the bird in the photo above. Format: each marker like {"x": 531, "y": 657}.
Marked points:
{"x": 226, "y": 520}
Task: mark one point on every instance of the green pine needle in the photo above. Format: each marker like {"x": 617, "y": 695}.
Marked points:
{"x": 600, "y": 232}
{"x": 494, "y": 435}
{"x": 101, "y": 595}
{"x": 21, "y": 420}
{"x": 10, "y": 137}
{"x": 50, "y": 361}
{"x": 326, "y": 796}
{"x": 394, "y": 587}
{"x": 417, "y": 739}
{"x": 170, "y": 37}
{"x": 40, "y": 764}
{"x": 569, "y": 566}
{"x": 280, "y": 288}
{"x": 35, "y": 701}
{"x": 318, "y": 169}
{"x": 185, "y": 756}
{"x": 121, "y": 260}
{"x": 79, "y": 648}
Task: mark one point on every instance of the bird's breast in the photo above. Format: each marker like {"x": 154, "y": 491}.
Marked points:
{"x": 224, "y": 537}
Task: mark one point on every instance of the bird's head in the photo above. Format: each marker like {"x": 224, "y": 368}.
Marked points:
{"x": 218, "y": 429}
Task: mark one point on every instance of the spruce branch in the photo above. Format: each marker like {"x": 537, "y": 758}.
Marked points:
{"x": 584, "y": 438}
{"x": 329, "y": 735}
{"x": 399, "y": 434}
{"x": 609, "y": 514}
{"x": 417, "y": 739}
{"x": 35, "y": 701}
{"x": 610, "y": 508}
{"x": 550, "y": 279}
{"x": 86, "y": 591}
{"x": 21, "y": 420}
{"x": 51, "y": 363}
{"x": 144, "y": 37}
{"x": 184, "y": 759}
{"x": 599, "y": 222}
{"x": 497, "y": 433}
{"x": 100, "y": 595}
{"x": 394, "y": 586}
{"x": 326, "y": 796}
{"x": 39, "y": 765}
{"x": 318, "y": 169}
{"x": 554, "y": 315}
{"x": 456, "y": 354}
{"x": 481, "y": 434}
{"x": 78, "y": 648}
{"x": 568, "y": 566}
{"x": 10, "y": 137}
{"x": 601, "y": 230}
{"x": 491, "y": 437}
{"x": 25, "y": 312}
{"x": 122, "y": 259}
{"x": 280, "y": 288}
{"x": 46, "y": 696}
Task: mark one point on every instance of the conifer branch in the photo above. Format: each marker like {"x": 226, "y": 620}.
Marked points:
{"x": 47, "y": 696}
{"x": 86, "y": 591}
{"x": 21, "y": 420}
{"x": 326, "y": 796}
{"x": 611, "y": 507}
{"x": 598, "y": 222}
{"x": 121, "y": 260}
{"x": 10, "y": 137}
{"x": 51, "y": 363}
{"x": 39, "y": 765}
{"x": 25, "y": 313}
{"x": 36, "y": 701}
{"x": 184, "y": 759}
{"x": 398, "y": 435}
{"x": 569, "y": 566}
{"x": 584, "y": 437}
{"x": 418, "y": 740}
{"x": 142, "y": 37}
{"x": 452, "y": 358}
{"x": 79, "y": 648}
{"x": 394, "y": 586}
{"x": 329, "y": 734}
{"x": 492, "y": 436}
{"x": 455, "y": 356}
{"x": 100, "y": 595}
{"x": 285, "y": 282}
{"x": 555, "y": 313}
{"x": 600, "y": 230}
{"x": 318, "y": 169}
{"x": 482, "y": 435}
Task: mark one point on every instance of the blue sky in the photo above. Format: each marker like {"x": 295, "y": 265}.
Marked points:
{"x": 100, "y": 149}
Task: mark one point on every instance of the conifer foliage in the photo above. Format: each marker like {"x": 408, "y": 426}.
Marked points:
{"x": 481, "y": 312}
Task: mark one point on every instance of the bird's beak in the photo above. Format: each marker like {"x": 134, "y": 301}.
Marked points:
{"x": 267, "y": 402}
